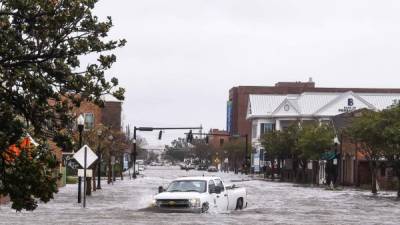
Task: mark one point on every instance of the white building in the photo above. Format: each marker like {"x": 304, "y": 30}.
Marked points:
{"x": 275, "y": 112}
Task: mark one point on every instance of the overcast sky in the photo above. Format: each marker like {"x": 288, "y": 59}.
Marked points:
{"x": 183, "y": 56}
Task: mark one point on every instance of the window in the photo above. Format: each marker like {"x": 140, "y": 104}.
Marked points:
{"x": 211, "y": 186}
{"x": 89, "y": 121}
{"x": 262, "y": 155}
{"x": 218, "y": 183}
{"x": 266, "y": 128}
{"x": 221, "y": 142}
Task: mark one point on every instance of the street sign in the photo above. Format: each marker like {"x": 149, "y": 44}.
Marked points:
{"x": 80, "y": 156}
{"x": 81, "y": 173}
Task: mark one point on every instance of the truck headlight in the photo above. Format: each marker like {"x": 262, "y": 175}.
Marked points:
{"x": 195, "y": 202}
{"x": 153, "y": 202}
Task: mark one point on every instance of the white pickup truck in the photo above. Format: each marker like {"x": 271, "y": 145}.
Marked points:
{"x": 200, "y": 194}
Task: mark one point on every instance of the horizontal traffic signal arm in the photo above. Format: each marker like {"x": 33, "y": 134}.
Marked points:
{"x": 167, "y": 128}
{"x": 221, "y": 135}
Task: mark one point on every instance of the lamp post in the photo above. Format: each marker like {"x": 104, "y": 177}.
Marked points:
{"x": 336, "y": 160}
{"x": 99, "y": 133}
{"x": 134, "y": 153}
{"x": 226, "y": 161}
{"x": 81, "y": 124}
{"x": 111, "y": 160}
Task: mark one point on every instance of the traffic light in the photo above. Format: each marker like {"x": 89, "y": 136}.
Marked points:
{"x": 160, "y": 135}
{"x": 207, "y": 139}
{"x": 189, "y": 137}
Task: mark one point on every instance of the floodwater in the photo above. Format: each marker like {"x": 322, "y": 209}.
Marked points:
{"x": 127, "y": 201}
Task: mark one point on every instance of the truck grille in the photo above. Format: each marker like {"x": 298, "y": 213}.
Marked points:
{"x": 173, "y": 203}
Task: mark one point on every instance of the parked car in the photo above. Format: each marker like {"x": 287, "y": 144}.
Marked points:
{"x": 200, "y": 194}
{"x": 190, "y": 166}
{"x": 183, "y": 166}
{"x": 212, "y": 169}
{"x": 202, "y": 167}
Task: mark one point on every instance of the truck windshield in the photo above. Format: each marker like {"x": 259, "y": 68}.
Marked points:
{"x": 187, "y": 186}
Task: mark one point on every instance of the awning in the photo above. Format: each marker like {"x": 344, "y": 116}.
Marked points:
{"x": 328, "y": 155}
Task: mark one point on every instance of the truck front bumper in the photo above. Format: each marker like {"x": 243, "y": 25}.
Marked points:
{"x": 178, "y": 210}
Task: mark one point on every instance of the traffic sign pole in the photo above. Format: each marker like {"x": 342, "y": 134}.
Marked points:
{"x": 84, "y": 179}
{"x": 85, "y": 157}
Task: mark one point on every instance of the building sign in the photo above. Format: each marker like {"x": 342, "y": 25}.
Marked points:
{"x": 348, "y": 109}
{"x": 350, "y": 106}
{"x": 229, "y": 116}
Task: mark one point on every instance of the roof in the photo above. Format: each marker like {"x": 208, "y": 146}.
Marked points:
{"x": 110, "y": 98}
{"x": 317, "y": 104}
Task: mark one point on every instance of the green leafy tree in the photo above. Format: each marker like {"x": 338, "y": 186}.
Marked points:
{"x": 202, "y": 151}
{"x": 314, "y": 139}
{"x": 278, "y": 145}
{"x": 41, "y": 77}
{"x": 391, "y": 133}
{"x": 178, "y": 150}
{"x": 367, "y": 131}
{"x": 235, "y": 151}
{"x": 24, "y": 176}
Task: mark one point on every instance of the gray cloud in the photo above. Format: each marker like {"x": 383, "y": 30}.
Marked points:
{"x": 183, "y": 56}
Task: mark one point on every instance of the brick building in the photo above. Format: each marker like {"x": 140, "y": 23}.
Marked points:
{"x": 110, "y": 115}
{"x": 216, "y": 141}
{"x": 239, "y": 97}
{"x": 353, "y": 164}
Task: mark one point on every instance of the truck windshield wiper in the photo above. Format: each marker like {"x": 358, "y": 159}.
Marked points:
{"x": 175, "y": 191}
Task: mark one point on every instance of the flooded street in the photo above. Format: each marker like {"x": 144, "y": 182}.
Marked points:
{"x": 127, "y": 201}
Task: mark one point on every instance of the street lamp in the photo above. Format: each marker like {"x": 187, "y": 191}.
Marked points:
{"x": 81, "y": 125}
{"x": 226, "y": 161}
{"x": 99, "y": 133}
{"x": 111, "y": 160}
{"x": 336, "y": 160}
{"x": 134, "y": 153}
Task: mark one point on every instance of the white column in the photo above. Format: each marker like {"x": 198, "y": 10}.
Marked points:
{"x": 277, "y": 124}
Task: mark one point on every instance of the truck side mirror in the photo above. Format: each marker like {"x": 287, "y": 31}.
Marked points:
{"x": 160, "y": 189}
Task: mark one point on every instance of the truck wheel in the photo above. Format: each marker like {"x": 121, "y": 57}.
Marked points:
{"x": 239, "y": 204}
{"x": 204, "y": 208}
